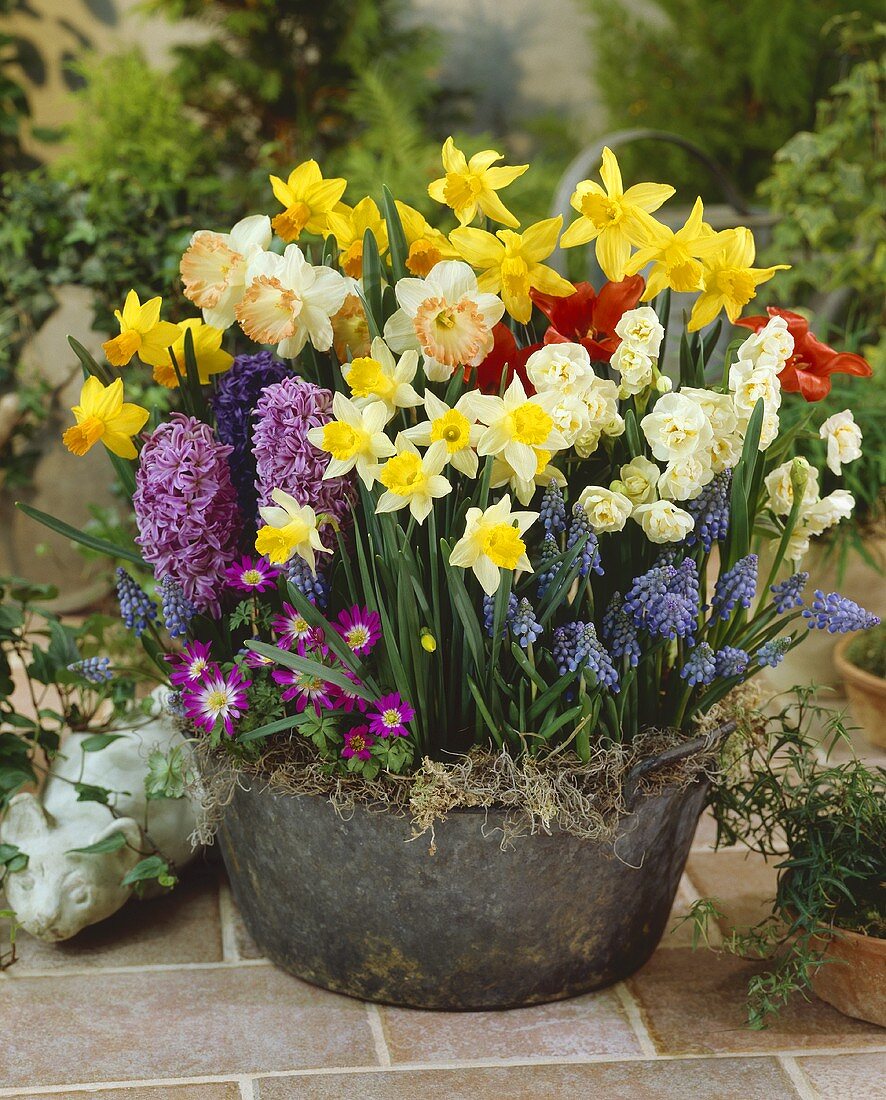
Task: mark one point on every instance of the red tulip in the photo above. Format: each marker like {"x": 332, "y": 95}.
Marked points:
{"x": 809, "y": 369}
{"x": 505, "y": 353}
{"x": 589, "y": 318}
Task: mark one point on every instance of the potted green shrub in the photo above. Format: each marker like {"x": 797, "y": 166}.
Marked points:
{"x": 861, "y": 664}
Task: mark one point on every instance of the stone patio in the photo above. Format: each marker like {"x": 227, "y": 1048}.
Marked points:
{"x": 170, "y": 999}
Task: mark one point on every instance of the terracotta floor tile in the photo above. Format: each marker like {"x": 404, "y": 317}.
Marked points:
{"x": 127, "y": 1027}
{"x": 700, "y": 1079}
{"x": 847, "y": 1075}
{"x": 594, "y": 1024}
{"x": 693, "y": 1003}
{"x": 742, "y": 882}
{"x": 180, "y": 927}
{"x": 220, "y": 1091}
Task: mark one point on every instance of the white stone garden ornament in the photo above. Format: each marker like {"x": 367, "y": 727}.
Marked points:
{"x": 61, "y": 891}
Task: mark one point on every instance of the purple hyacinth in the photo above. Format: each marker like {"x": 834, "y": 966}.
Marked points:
{"x": 576, "y": 645}
{"x": 137, "y": 609}
{"x": 546, "y": 571}
{"x": 737, "y": 585}
{"x": 664, "y": 600}
{"x": 315, "y": 589}
{"x": 731, "y": 661}
{"x": 786, "y": 594}
{"x": 700, "y": 666}
{"x": 620, "y": 631}
{"x": 233, "y": 404}
{"x": 838, "y": 615}
{"x": 771, "y": 653}
{"x": 710, "y": 510}
{"x": 552, "y": 511}
{"x": 186, "y": 508}
{"x": 285, "y": 459}
{"x": 580, "y": 528}
{"x": 177, "y": 608}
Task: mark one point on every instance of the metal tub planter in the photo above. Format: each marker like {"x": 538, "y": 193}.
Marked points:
{"x": 352, "y": 905}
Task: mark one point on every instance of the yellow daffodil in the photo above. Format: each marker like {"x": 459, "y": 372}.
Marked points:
{"x": 412, "y": 480}
{"x": 511, "y": 263}
{"x": 307, "y": 199}
{"x": 451, "y": 432}
{"x": 674, "y": 256}
{"x": 102, "y": 414}
{"x": 728, "y": 280}
{"x": 290, "y": 528}
{"x": 211, "y": 359}
{"x": 350, "y": 329}
{"x": 609, "y": 216}
{"x": 379, "y": 377}
{"x": 427, "y": 245}
{"x": 493, "y": 540}
{"x": 141, "y": 332}
{"x": 354, "y": 439}
{"x": 471, "y": 185}
{"x": 348, "y": 226}
{"x": 516, "y": 426}
{"x": 524, "y": 488}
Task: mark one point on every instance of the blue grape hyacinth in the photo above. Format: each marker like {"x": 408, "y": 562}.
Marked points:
{"x": 315, "y": 589}
{"x": 786, "y": 595}
{"x": 97, "y": 670}
{"x": 579, "y": 528}
{"x": 700, "y": 666}
{"x": 838, "y": 615}
{"x": 137, "y": 609}
{"x": 731, "y": 661}
{"x": 710, "y": 510}
{"x": 552, "y": 510}
{"x": 737, "y": 585}
{"x": 176, "y": 607}
{"x": 771, "y": 653}
{"x": 576, "y": 645}
{"x": 620, "y": 631}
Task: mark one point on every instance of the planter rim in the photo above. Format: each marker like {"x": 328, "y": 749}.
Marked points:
{"x": 852, "y": 672}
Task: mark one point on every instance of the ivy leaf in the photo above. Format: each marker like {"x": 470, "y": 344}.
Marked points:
{"x": 99, "y": 741}
{"x": 112, "y": 843}
{"x": 88, "y": 792}
{"x": 152, "y": 867}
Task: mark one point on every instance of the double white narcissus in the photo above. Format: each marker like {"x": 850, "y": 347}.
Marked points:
{"x": 638, "y": 479}
{"x": 446, "y": 317}
{"x": 517, "y": 427}
{"x": 676, "y": 428}
{"x": 452, "y": 432}
{"x": 662, "y": 521}
{"x": 213, "y": 268}
{"x": 290, "y": 528}
{"x": 606, "y": 509}
{"x": 413, "y": 480}
{"x": 379, "y": 377}
{"x": 493, "y": 540}
{"x": 843, "y": 438}
{"x": 355, "y": 439}
{"x": 288, "y": 302}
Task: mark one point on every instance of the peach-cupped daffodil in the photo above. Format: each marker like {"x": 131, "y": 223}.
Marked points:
{"x": 213, "y": 268}
{"x": 674, "y": 256}
{"x": 350, "y": 329}
{"x": 142, "y": 333}
{"x": 307, "y": 198}
{"x": 412, "y": 480}
{"x": 208, "y": 353}
{"x": 511, "y": 263}
{"x": 288, "y": 301}
{"x": 516, "y": 427}
{"x": 348, "y": 226}
{"x": 609, "y": 216}
{"x": 380, "y": 377}
{"x": 493, "y": 540}
{"x": 427, "y": 246}
{"x": 289, "y": 528}
{"x": 471, "y": 185}
{"x": 445, "y": 316}
{"x": 452, "y": 432}
{"x": 355, "y": 439}
{"x": 729, "y": 281}
{"x": 102, "y": 414}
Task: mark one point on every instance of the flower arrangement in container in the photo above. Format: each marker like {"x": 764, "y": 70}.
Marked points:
{"x": 444, "y": 538}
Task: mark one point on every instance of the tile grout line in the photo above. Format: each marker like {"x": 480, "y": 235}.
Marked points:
{"x": 797, "y": 1077}
{"x": 631, "y": 1009}
{"x": 247, "y": 1088}
{"x": 16, "y": 975}
{"x": 377, "y": 1027}
{"x": 230, "y": 951}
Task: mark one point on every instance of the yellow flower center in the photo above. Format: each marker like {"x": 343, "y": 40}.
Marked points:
{"x": 683, "y": 272}
{"x": 358, "y": 743}
{"x": 268, "y": 311}
{"x": 422, "y": 257}
{"x": 216, "y": 701}
{"x": 453, "y": 428}
{"x": 391, "y": 718}
{"x": 404, "y": 475}
{"x": 357, "y": 636}
{"x": 602, "y": 211}
{"x": 530, "y": 424}
{"x": 350, "y": 330}
{"x": 515, "y": 277}
{"x": 122, "y": 348}
{"x": 542, "y": 458}
{"x": 84, "y": 435}
{"x": 367, "y": 378}
{"x": 502, "y": 544}
{"x": 461, "y": 189}
{"x": 343, "y": 441}
{"x": 290, "y": 223}
{"x": 252, "y": 576}
{"x": 736, "y": 284}
{"x": 278, "y": 543}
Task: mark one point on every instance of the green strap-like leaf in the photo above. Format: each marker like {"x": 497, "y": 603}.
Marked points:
{"x": 69, "y": 532}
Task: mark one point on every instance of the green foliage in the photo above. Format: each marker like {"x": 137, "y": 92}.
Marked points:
{"x": 868, "y": 651}
{"x": 737, "y": 79}
{"x": 14, "y": 107}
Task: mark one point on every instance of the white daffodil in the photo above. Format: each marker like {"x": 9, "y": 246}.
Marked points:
{"x": 606, "y": 510}
{"x": 772, "y": 346}
{"x": 380, "y": 377}
{"x": 524, "y": 488}
{"x": 493, "y": 540}
{"x": 662, "y": 521}
{"x": 676, "y": 428}
{"x": 843, "y": 437}
{"x": 412, "y": 480}
{"x": 685, "y": 479}
{"x": 290, "y": 528}
{"x": 453, "y": 432}
{"x": 816, "y": 517}
{"x": 634, "y": 368}
{"x": 288, "y": 301}
{"x": 516, "y": 426}
{"x": 446, "y": 317}
{"x": 569, "y": 413}
{"x": 213, "y": 268}
{"x": 751, "y": 383}
{"x": 641, "y": 329}
{"x": 601, "y": 401}
{"x": 638, "y": 479}
{"x": 563, "y": 368}
{"x": 354, "y": 439}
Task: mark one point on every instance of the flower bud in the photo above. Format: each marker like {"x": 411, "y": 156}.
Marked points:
{"x": 663, "y": 384}
{"x": 428, "y": 641}
{"x": 799, "y": 478}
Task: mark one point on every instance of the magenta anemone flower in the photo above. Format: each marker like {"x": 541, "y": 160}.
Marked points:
{"x": 252, "y": 575}
{"x": 217, "y": 697}
{"x": 191, "y": 665}
{"x": 358, "y": 742}
{"x": 345, "y": 700}
{"x": 291, "y": 627}
{"x": 360, "y": 628}
{"x": 390, "y": 717}
{"x": 303, "y": 687}
{"x": 256, "y": 660}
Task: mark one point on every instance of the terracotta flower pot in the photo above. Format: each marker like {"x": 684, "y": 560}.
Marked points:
{"x": 866, "y": 693}
{"x": 853, "y": 979}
